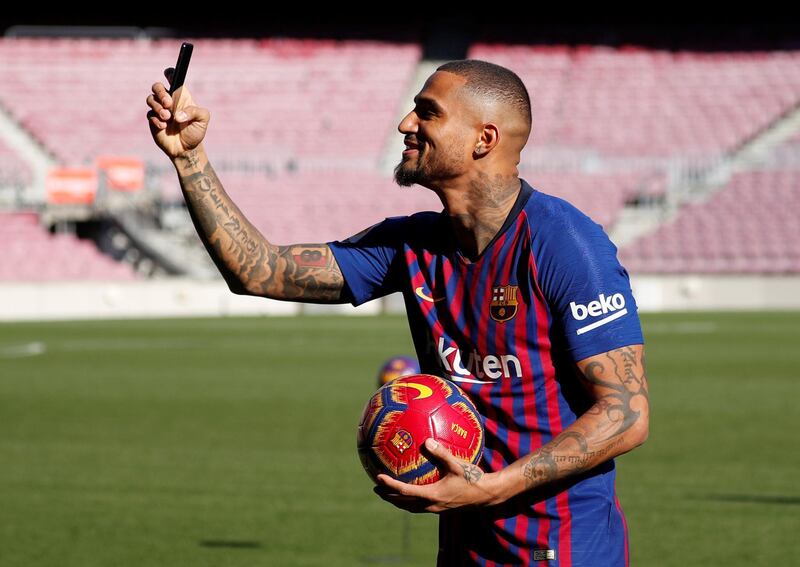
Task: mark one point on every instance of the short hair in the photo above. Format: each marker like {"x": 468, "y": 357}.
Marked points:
{"x": 494, "y": 82}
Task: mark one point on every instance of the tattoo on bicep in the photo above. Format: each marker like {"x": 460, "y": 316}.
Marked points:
{"x": 472, "y": 473}
{"x": 311, "y": 272}
{"x": 630, "y": 383}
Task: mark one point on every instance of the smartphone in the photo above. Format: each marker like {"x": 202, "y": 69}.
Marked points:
{"x": 179, "y": 76}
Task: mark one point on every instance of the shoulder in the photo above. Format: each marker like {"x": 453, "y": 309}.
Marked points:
{"x": 559, "y": 223}
{"x": 395, "y": 230}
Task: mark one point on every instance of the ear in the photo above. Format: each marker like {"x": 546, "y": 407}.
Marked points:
{"x": 489, "y": 138}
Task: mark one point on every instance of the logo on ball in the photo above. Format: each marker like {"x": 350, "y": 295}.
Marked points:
{"x": 402, "y": 441}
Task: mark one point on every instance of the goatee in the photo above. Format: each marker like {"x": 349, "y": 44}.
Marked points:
{"x": 405, "y": 177}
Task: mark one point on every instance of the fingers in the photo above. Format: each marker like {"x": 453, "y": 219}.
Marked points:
{"x": 157, "y": 107}
{"x": 155, "y": 120}
{"x": 402, "y": 487}
{"x": 409, "y": 503}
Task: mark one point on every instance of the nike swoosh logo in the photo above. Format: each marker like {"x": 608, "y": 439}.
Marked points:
{"x": 424, "y": 391}
{"x": 420, "y": 291}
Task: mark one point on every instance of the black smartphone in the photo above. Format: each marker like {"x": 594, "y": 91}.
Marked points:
{"x": 179, "y": 76}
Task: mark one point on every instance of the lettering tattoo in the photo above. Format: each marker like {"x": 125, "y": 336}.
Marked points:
{"x": 305, "y": 272}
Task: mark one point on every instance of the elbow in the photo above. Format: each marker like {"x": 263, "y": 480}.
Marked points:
{"x": 640, "y": 431}
{"x": 237, "y": 287}
{"x": 238, "y": 290}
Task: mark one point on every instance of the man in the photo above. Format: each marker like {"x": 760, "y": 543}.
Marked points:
{"x": 514, "y": 294}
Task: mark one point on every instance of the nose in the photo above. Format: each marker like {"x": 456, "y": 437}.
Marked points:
{"x": 408, "y": 124}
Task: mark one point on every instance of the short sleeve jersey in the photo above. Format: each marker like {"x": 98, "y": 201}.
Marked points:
{"x": 508, "y": 327}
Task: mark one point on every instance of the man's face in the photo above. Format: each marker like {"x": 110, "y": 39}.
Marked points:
{"x": 438, "y": 137}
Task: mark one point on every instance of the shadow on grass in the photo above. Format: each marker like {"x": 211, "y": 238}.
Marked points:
{"x": 754, "y": 498}
{"x": 229, "y": 544}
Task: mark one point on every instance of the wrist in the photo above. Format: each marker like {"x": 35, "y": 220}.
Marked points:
{"x": 496, "y": 487}
{"x": 190, "y": 161}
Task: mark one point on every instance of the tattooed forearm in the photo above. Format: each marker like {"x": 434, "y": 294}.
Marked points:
{"x": 542, "y": 465}
{"x": 559, "y": 458}
{"x": 247, "y": 261}
{"x": 540, "y": 468}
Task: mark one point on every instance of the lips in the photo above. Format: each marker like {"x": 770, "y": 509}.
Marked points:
{"x": 411, "y": 148}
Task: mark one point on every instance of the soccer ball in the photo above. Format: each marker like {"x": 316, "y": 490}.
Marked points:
{"x": 406, "y": 411}
{"x": 396, "y": 367}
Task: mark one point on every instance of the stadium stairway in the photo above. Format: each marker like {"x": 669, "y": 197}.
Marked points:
{"x": 29, "y": 149}
{"x": 175, "y": 248}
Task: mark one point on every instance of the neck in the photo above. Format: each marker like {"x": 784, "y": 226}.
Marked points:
{"x": 478, "y": 208}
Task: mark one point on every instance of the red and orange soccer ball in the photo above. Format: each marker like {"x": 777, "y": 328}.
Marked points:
{"x": 406, "y": 411}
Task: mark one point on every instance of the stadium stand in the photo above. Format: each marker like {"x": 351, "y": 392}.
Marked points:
{"x": 639, "y": 102}
{"x": 271, "y": 99}
{"x": 32, "y": 254}
{"x": 299, "y": 127}
{"x": 750, "y": 226}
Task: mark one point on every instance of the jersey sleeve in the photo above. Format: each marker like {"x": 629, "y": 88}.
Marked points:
{"x": 368, "y": 260}
{"x": 588, "y": 290}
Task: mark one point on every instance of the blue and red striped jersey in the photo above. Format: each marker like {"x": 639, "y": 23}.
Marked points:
{"x": 508, "y": 327}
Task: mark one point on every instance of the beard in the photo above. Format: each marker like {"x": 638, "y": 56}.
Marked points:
{"x": 407, "y": 176}
{"x": 427, "y": 172}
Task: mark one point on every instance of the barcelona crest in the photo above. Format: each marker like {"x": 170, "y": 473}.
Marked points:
{"x": 402, "y": 441}
{"x": 504, "y": 303}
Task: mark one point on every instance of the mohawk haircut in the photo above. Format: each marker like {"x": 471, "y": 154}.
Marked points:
{"x": 494, "y": 82}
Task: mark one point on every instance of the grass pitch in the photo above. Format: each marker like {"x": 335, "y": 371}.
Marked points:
{"x": 232, "y": 442}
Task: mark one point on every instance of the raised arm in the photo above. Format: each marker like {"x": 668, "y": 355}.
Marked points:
{"x": 248, "y": 262}
{"x": 617, "y": 422}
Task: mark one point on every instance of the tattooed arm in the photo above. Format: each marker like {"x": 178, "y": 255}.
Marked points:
{"x": 248, "y": 262}
{"x": 616, "y": 423}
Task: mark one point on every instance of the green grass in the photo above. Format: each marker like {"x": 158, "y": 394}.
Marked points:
{"x": 232, "y": 442}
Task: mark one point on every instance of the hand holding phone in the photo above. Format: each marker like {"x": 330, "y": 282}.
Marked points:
{"x": 176, "y": 123}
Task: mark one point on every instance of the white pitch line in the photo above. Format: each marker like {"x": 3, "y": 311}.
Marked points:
{"x": 35, "y": 348}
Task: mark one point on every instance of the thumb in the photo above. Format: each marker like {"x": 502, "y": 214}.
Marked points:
{"x": 192, "y": 114}
{"x": 439, "y": 454}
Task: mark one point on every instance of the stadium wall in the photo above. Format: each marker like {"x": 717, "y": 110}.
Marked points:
{"x": 190, "y": 298}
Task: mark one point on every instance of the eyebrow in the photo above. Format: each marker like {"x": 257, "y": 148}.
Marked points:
{"x": 421, "y": 100}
